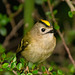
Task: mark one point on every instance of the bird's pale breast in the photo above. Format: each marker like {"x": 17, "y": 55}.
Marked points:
{"x": 38, "y": 52}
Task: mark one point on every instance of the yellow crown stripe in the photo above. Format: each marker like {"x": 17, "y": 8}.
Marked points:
{"x": 46, "y": 22}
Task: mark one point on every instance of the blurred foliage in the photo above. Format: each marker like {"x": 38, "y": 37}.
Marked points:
{"x": 20, "y": 67}
{"x": 3, "y": 22}
{"x": 66, "y": 24}
{"x": 71, "y": 13}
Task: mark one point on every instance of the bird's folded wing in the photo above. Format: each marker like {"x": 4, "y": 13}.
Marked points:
{"x": 23, "y": 44}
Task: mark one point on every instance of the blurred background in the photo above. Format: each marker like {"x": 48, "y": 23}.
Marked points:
{"x": 18, "y": 16}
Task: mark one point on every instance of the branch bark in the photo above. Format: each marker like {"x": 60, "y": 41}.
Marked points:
{"x": 60, "y": 34}
{"x": 12, "y": 33}
{"x": 7, "y": 5}
{"x": 70, "y": 5}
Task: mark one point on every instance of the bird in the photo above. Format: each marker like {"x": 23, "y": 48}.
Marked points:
{"x": 38, "y": 44}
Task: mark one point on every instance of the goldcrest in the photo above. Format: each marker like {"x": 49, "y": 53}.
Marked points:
{"x": 38, "y": 44}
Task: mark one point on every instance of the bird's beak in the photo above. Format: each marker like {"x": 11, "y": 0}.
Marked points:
{"x": 51, "y": 31}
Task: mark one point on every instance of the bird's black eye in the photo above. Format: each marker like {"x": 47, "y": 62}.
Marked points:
{"x": 43, "y": 29}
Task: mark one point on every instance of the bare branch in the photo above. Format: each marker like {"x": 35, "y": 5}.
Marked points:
{"x": 12, "y": 33}
{"x": 60, "y": 34}
{"x": 14, "y": 72}
{"x": 17, "y": 12}
{"x": 70, "y": 5}
{"x": 7, "y": 5}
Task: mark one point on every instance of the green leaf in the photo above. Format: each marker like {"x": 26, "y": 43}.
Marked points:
{"x": 1, "y": 60}
{"x": 19, "y": 66}
{"x": 1, "y": 69}
{"x": 3, "y": 22}
{"x": 22, "y": 74}
{"x": 2, "y": 49}
{"x": 18, "y": 73}
{"x": 30, "y": 65}
{"x": 71, "y": 68}
{"x": 13, "y": 64}
{"x": 70, "y": 14}
{"x": 22, "y": 60}
{"x": 3, "y": 31}
{"x": 53, "y": 73}
{"x": 35, "y": 72}
{"x": 48, "y": 13}
{"x": 43, "y": 68}
{"x": 20, "y": 6}
{"x": 33, "y": 66}
{"x": 5, "y": 65}
{"x": 14, "y": 59}
{"x": 56, "y": 26}
{"x": 29, "y": 74}
{"x": 8, "y": 69}
{"x": 3, "y": 55}
{"x": 55, "y": 12}
{"x": 59, "y": 72}
{"x": 50, "y": 68}
{"x": 15, "y": 7}
{"x": 10, "y": 56}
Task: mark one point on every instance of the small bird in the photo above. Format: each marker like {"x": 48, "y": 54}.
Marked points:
{"x": 38, "y": 44}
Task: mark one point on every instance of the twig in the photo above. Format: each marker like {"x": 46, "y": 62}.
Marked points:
{"x": 17, "y": 12}
{"x": 70, "y": 5}
{"x": 21, "y": 1}
{"x": 40, "y": 73}
{"x": 7, "y": 5}
{"x": 14, "y": 72}
{"x": 11, "y": 69}
{"x": 12, "y": 33}
{"x": 60, "y": 34}
{"x": 36, "y": 15}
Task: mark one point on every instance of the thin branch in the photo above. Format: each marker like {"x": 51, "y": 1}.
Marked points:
{"x": 70, "y": 5}
{"x": 7, "y": 5}
{"x": 14, "y": 72}
{"x": 60, "y": 34}
{"x": 12, "y": 33}
{"x": 40, "y": 73}
{"x": 17, "y": 12}
{"x": 21, "y": 1}
{"x": 11, "y": 69}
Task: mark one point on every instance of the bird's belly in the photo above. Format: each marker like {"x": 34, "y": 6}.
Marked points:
{"x": 37, "y": 54}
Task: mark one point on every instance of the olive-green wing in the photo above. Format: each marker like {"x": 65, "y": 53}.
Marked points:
{"x": 23, "y": 44}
